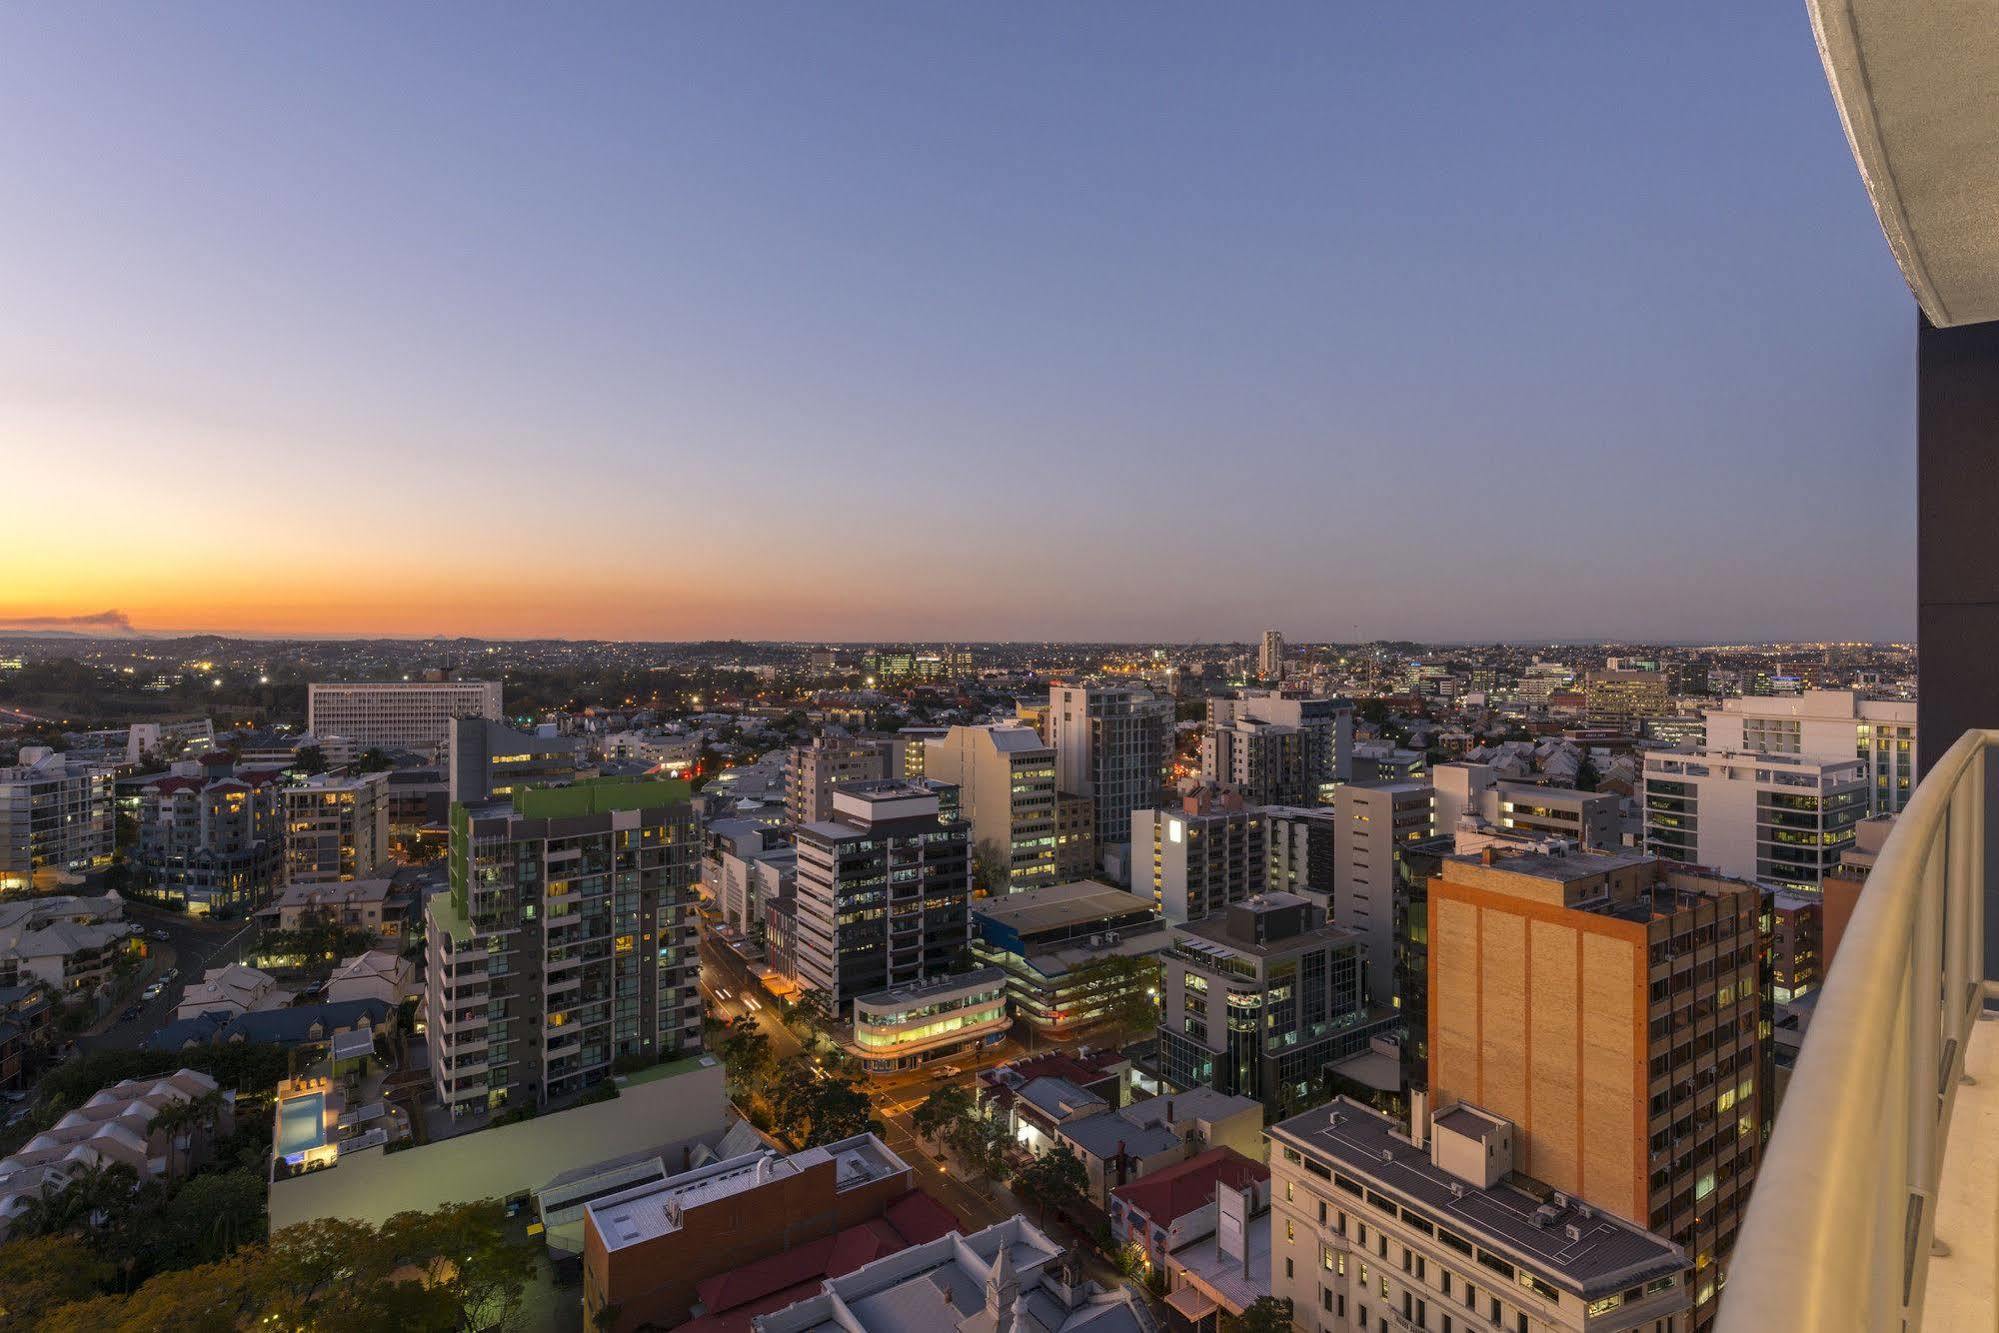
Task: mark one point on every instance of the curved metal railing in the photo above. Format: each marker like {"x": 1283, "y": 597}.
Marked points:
{"x": 1843, "y": 1211}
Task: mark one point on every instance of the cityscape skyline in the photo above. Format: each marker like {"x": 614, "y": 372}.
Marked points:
{"x": 1353, "y": 310}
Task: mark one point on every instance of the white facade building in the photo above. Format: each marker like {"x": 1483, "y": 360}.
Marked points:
{"x": 56, "y": 817}
{"x": 1828, "y": 724}
{"x": 1112, "y": 744}
{"x": 1781, "y": 819}
{"x": 414, "y": 715}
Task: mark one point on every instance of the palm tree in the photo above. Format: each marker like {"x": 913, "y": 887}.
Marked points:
{"x": 50, "y": 1212}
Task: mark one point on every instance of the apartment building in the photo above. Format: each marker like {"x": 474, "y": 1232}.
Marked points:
{"x": 211, "y": 840}
{"x": 1256, "y": 1001}
{"x": 1611, "y": 1008}
{"x": 1378, "y": 823}
{"x": 1375, "y": 762}
{"x": 1278, "y": 749}
{"x": 1374, "y": 1227}
{"x": 1112, "y": 744}
{"x": 565, "y": 942}
{"x": 818, "y": 768}
{"x": 336, "y": 828}
{"x": 746, "y": 867}
{"x": 413, "y": 715}
{"x": 1828, "y": 724}
{"x": 1783, "y": 819}
{"x": 1624, "y": 699}
{"x": 1302, "y": 842}
{"x": 1005, "y": 776}
{"x": 1199, "y": 858}
{"x": 1270, "y": 656}
{"x": 490, "y": 760}
{"x": 57, "y": 817}
{"x": 883, "y": 894}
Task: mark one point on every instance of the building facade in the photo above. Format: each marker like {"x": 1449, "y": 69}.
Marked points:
{"x": 1112, "y": 744}
{"x": 413, "y": 715}
{"x": 1611, "y": 1008}
{"x": 827, "y": 762}
{"x": 1783, "y": 819}
{"x": 56, "y": 817}
{"x": 1257, "y": 1001}
{"x": 1278, "y": 749}
{"x": 1075, "y": 837}
{"x": 1198, "y": 859}
{"x": 927, "y": 1021}
{"x": 883, "y": 895}
{"x": 1378, "y": 822}
{"x": 336, "y": 828}
{"x": 1624, "y": 699}
{"x": 1046, "y": 940}
{"x": 565, "y": 942}
{"x": 490, "y": 760}
{"x": 212, "y": 843}
{"x": 1005, "y": 776}
{"x": 1828, "y": 724}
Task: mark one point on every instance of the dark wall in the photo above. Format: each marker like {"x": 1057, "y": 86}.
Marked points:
{"x": 1957, "y": 557}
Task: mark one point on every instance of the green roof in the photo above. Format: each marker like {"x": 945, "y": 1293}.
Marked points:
{"x": 448, "y": 912}
{"x": 670, "y": 1069}
{"x": 600, "y": 796}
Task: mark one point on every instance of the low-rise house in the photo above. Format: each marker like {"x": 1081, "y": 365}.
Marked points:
{"x": 375, "y": 975}
{"x": 1130, "y": 1143}
{"x": 1010, "y": 1276}
{"x": 65, "y": 942}
{"x": 293, "y": 1025}
{"x": 1176, "y": 1206}
{"x": 233, "y": 990}
{"x": 161, "y": 1128}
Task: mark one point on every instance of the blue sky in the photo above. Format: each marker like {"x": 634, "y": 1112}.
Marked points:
{"x": 1148, "y": 321}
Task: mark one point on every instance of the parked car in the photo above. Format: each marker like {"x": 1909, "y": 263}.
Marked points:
{"x": 131, "y": 1011}
{"x": 159, "y": 934}
{"x": 949, "y": 1071}
{"x": 152, "y": 992}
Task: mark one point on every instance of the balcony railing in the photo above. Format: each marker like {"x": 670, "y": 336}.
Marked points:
{"x": 1843, "y": 1217}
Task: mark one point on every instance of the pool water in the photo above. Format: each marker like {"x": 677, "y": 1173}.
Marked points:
{"x": 301, "y": 1123}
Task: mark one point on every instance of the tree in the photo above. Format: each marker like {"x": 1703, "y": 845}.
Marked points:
{"x": 468, "y": 1250}
{"x": 1586, "y": 774}
{"x": 1055, "y": 1180}
{"x": 1265, "y": 1314}
{"x": 992, "y": 868}
{"x": 39, "y": 1273}
{"x": 942, "y": 1108}
{"x": 814, "y": 1111}
{"x": 746, "y": 1057}
{"x": 309, "y": 759}
{"x": 1124, "y": 992}
{"x": 374, "y": 761}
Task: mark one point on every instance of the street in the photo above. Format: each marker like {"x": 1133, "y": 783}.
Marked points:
{"x": 191, "y": 948}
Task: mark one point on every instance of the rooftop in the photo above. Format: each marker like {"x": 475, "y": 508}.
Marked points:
{"x": 1053, "y": 906}
{"x": 1186, "y": 1186}
{"x": 1582, "y": 1250}
{"x": 599, "y": 796}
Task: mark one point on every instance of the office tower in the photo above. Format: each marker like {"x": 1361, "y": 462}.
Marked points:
{"x": 1197, "y": 859}
{"x": 1276, "y": 749}
{"x": 824, "y": 764}
{"x": 336, "y": 828}
{"x": 1045, "y": 940}
{"x": 413, "y": 715}
{"x": 1302, "y": 845}
{"x": 490, "y": 760}
{"x": 1270, "y": 656}
{"x": 1611, "y": 1007}
{"x": 883, "y": 893}
{"x": 56, "y": 817}
{"x": 1783, "y": 819}
{"x": 1373, "y": 1228}
{"x": 1828, "y": 724}
{"x": 1075, "y": 837}
{"x": 1797, "y": 945}
{"x": 912, "y": 750}
{"x": 212, "y": 840}
{"x": 1472, "y": 798}
{"x": 1378, "y": 822}
{"x": 1005, "y": 776}
{"x": 1624, "y": 698}
{"x": 565, "y": 942}
{"x": 1256, "y": 1001}
{"x": 1112, "y": 744}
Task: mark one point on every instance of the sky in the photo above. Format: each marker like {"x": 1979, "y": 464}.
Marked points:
{"x": 857, "y": 321}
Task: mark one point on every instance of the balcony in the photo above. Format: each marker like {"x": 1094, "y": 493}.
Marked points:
{"x": 1877, "y": 1205}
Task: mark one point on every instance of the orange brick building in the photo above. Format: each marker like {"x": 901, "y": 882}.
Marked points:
{"x": 1612, "y": 1008}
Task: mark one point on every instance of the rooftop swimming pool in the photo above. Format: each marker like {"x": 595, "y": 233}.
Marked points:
{"x": 301, "y": 1124}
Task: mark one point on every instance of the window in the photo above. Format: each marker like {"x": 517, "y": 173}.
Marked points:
{"x": 1287, "y": 1269}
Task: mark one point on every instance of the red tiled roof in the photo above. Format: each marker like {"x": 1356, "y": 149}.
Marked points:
{"x": 909, "y": 1220}
{"x": 1179, "y": 1190}
{"x": 168, "y": 786}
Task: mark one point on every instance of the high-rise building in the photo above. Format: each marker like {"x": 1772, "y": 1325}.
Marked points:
{"x": 1378, "y": 822}
{"x": 1611, "y": 1008}
{"x": 1278, "y": 749}
{"x": 566, "y": 940}
{"x": 1828, "y": 724}
{"x": 1303, "y": 843}
{"x": 883, "y": 893}
{"x": 1376, "y": 1228}
{"x": 747, "y": 866}
{"x": 818, "y": 768}
{"x": 336, "y": 827}
{"x": 1256, "y": 1001}
{"x": 1782, "y": 819}
{"x": 56, "y": 817}
{"x": 1112, "y": 744}
{"x": 1198, "y": 859}
{"x": 1005, "y": 776}
{"x": 1624, "y": 698}
{"x": 413, "y": 715}
{"x": 490, "y": 760}
{"x": 1270, "y": 656}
